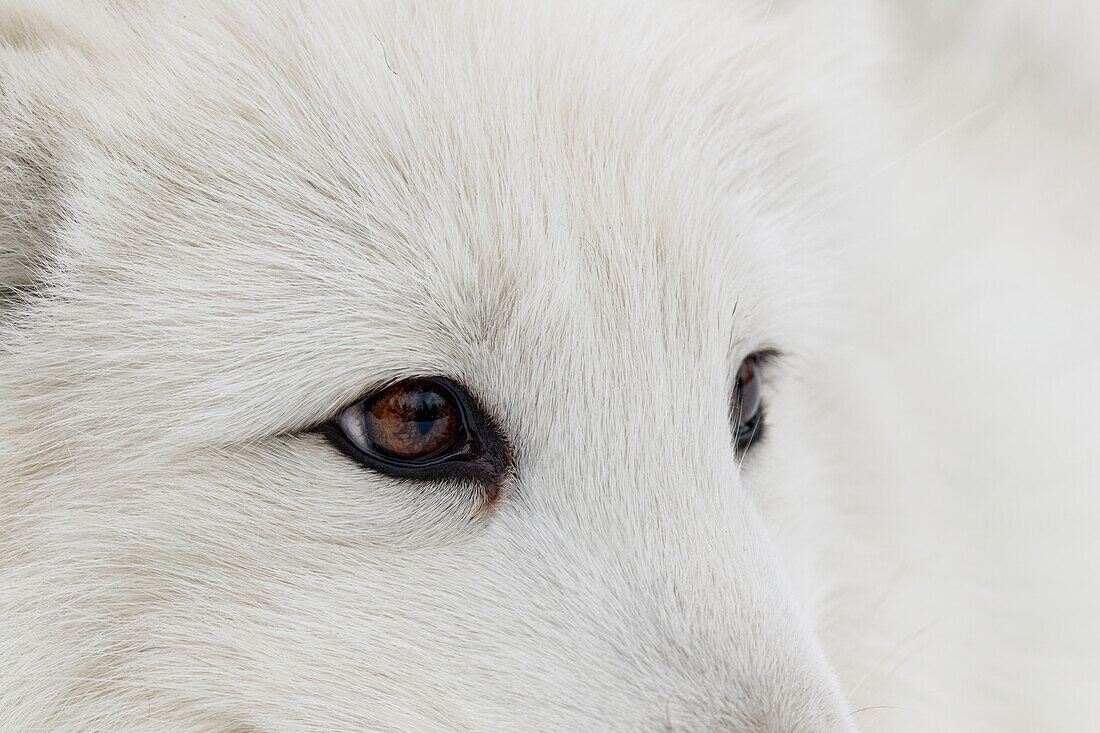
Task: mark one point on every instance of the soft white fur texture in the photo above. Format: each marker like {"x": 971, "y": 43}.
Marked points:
{"x": 221, "y": 222}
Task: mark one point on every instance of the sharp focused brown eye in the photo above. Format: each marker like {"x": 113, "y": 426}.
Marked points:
{"x": 410, "y": 421}
{"x": 746, "y": 410}
{"x": 427, "y": 429}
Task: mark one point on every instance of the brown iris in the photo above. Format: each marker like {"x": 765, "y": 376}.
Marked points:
{"x": 411, "y": 420}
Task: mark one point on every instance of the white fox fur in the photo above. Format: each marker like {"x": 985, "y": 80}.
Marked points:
{"x": 220, "y": 222}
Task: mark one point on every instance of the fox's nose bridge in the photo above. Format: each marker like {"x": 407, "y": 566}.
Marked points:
{"x": 798, "y": 694}
{"x": 690, "y": 584}
{"x": 765, "y": 674}
{"x": 709, "y": 609}
{"x": 772, "y": 680}
{"x": 726, "y": 584}
{"x": 779, "y": 680}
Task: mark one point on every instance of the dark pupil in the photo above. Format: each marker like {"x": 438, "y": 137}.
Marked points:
{"x": 411, "y": 421}
{"x": 428, "y": 410}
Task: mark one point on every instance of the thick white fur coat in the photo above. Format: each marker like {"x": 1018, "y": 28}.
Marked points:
{"x": 222, "y": 222}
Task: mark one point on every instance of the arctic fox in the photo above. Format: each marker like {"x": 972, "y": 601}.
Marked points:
{"x": 548, "y": 366}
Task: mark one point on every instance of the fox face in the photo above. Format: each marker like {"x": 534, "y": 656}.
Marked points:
{"x": 406, "y": 367}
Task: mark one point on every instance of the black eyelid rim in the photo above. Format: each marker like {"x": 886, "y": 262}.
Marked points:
{"x": 485, "y": 456}
{"x": 764, "y": 356}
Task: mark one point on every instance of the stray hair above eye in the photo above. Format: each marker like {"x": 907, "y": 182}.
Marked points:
{"x": 425, "y": 429}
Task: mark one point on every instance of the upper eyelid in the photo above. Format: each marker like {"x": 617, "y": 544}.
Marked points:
{"x": 765, "y": 352}
{"x": 332, "y": 413}
{"x": 767, "y": 355}
{"x": 768, "y": 358}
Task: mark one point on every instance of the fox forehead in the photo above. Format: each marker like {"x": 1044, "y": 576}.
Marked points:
{"x": 323, "y": 212}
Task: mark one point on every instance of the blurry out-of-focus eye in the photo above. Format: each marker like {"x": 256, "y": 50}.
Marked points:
{"x": 746, "y": 408}
{"x": 427, "y": 429}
